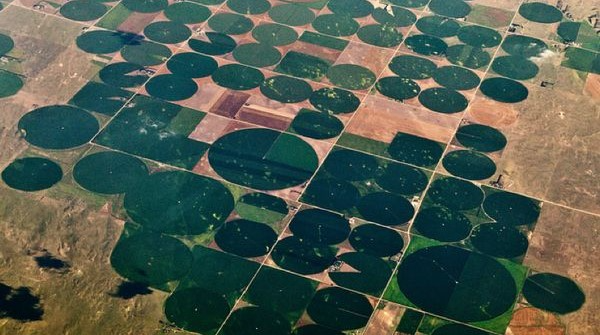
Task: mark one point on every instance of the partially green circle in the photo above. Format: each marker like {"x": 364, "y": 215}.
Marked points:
{"x": 410, "y": 3}
{"x": 187, "y": 12}
{"x": 499, "y": 240}
{"x": 192, "y": 65}
{"x": 455, "y": 194}
{"x": 456, "y": 78}
{"x": 58, "y": 127}
{"x": 245, "y": 238}
{"x": 316, "y": 125}
{"x": 109, "y": 172}
{"x": 397, "y": 88}
{"x": 217, "y": 44}
{"x": 334, "y": 100}
{"x": 32, "y": 174}
{"x": 249, "y": 7}
{"x": 450, "y": 8}
{"x": 257, "y": 54}
{"x": 479, "y": 37}
{"x": 196, "y": 309}
{"x": 553, "y": 293}
{"x": 83, "y": 10}
{"x": 145, "y": 6}
{"x": 412, "y": 67}
{"x": 399, "y": 17}
{"x": 511, "y": 208}
{"x": 468, "y": 56}
{"x": 10, "y": 84}
{"x": 524, "y": 46}
{"x": 123, "y": 74}
{"x": 353, "y": 8}
{"x": 567, "y": 30}
{"x": 286, "y": 89}
{"x": 146, "y": 53}
{"x": 335, "y": 25}
{"x": 385, "y": 208}
{"x": 370, "y": 274}
{"x": 540, "y": 12}
{"x": 274, "y": 34}
{"x": 171, "y": 87}
{"x": 380, "y": 35}
{"x": 442, "y": 224}
{"x": 6, "y": 44}
{"x": 426, "y": 45}
{"x": 438, "y": 26}
{"x": 350, "y": 76}
{"x": 376, "y": 240}
{"x": 469, "y": 164}
{"x": 230, "y": 23}
{"x": 515, "y": 67}
{"x": 481, "y": 138}
{"x": 101, "y": 41}
{"x": 261, "y": 207}
{"x": 238, "y": 77}
{"x": 167, "y": 32}
{"x": 292, "y": 14}
{"x": 443, "y": 100}
{"x": 504, "y": 90}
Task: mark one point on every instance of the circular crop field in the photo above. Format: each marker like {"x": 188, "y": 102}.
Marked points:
{"x": 171, "y": 87}
{"x": 334, "y": 100}
{"x": 335, "y": 25}
{"x": 151, "y": 259}
{"x": 456, "y": 78}
{"x": 256, "y": 321}
{"x": 123, "y": 74}
{"x": 455, "y": 194}
{"x": 340, "y": 309}
{"x": 351, "y": 165}
{"x": 179, "y": 203}
{"x": 350, "y": 76}
{"x": 6, "y": 44}
{"x": 10, "y": 84}
{"x": 469, "y": 164}
{"x": 274, "y": 34}
{"x": 426, "y": 45}
{"x": 217, "y": 44}
{"x": 314, "y": 329}
{"x": 385, "y": 208}
{"x": 146, "y": 53}
{"x": 145, "y": 6}
{"x": 371, "y": 275}
{"x": 400, "y": 17}
{"x": 384, "y": 36}
{"x": 402, "y": 179}
{"x": 504, "y": 90}
{"x": 442, "y": 224}
{"x": 443, "y": 100}
{"x": 238, "y": 77}
{"x": 450, "y": 8}
{"x": 524, "y": 46}
{"x": 32, "y": 174}
{"x": 302, "y": 256}
{"x": 410, "y": 3}
{"x": 257, "y": 54}
{"x": 230, "y": 23}
{"x": 481, "y": 138}
{"x": 568, "y": 31}
{"x": 101, "y": 41}
{"x": 468, "y": 56}
{"x": 415, "y": 150}
{"x": 286, "y": 89}
{"x": 58, "y": 127}
{"x": 553, "y": 293}
{"x": 109, "y": 172}
{"x": 263, "y": 159}
{"x": 249, "y": 7}
{"x": 456, "y": 283}
{"x": 398, "y": 88}
{"x": 479, "y": 37}
{"x": 499, "y": 240}
{"x": 167, "y": 32}
{"x": 83, "y": 10}
{"x": 292, "y": 14}
{"x": 320, "y": 226}
{"x": 246, "y": 238}
{"x": 192, "y": 65}
{"x": 317, "y": 125}
{"x": 412, "y": 67}
{"x": 353, "y": 8}
{"x": 196, "y": 309}
{"x": 438, "y": 26}
{"x": 515, "y": 67}
{"x": 187, "y": 13}
{"x": 540, "y": 12}
{"x": 332, "y": 193}
{"x": 261, "y": 207}
{"x": 511, "y": 208}
{"x": 376, "y": 240}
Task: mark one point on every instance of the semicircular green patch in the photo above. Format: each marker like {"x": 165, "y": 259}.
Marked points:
{"x": 217, "y": 44}
{"x": 402, "y": 179}
{"x": 245, "y": 238}
{"x": 499, "y": 240}
{"x": 332, "y": 193}
{"x": 504, "y": 90}
{"x": 319, "y": 226}
{"x": 524, "y": 46}
{"x": 350, "y": 76}
{"x": 456, "y": 78}
{"x": 385, "y": 208}
{"x": 263, "y": 159}
{"x": 380, "y": 35}
{"x": 261, "y": 207}
{"x": 6, "y": 44}
{"x": 123, "y": 74}
{"x": 292, "y": 14}
{"x": 145, "y": 6}
{"x": 376, "y": 240}
{"x": 256, "y": 319}
{"x": 468, "y": 56}
{"x": 515, "y": 67}
{"x": 102, "y": 41}
{"x": 302, "y": 256}
{"x": 286, "y": 89}
{"x": 187, "y": 13}
{"x": 455, "y": 194}
{"x": 146, "y": 53}
{"x": 398, "y": 88}
{"x": 340, "y": 309}
{"x": 83, "y": 10}
{"x": 412, "y": 67}
{"x": 334, "y": 100}
{"x": 540, "y": 12}
{"x": 369, "y": 273}
{"x": 179, "y": 203}
{"x": 511, "y": 208}
{"x": 230, "y": 23}
{"x": 32, "y": 174}
{"x": 10, "y": 84}
{"x": 196, "y": 309}
{"x": 481, "y": 138}
{"x": 317, "y": 125}
{"x": 426, "y": 45}
{"x": 171, "y": 87}
{"x": 351, "y": 165}
{"x": 257, "y": 54}
{"x": 237, "y": 77}
{"x": 442, "y": 224}
{"x": 443, "y": 100}
{"x": 58, "y": 127}
{"x": 335, "y": 25}
{"x": 151, "y": 259}
{"x": 399, "y": 17}
{"x": 567, "y": 30}
{"x": 469, "y": 164}
{"x": 274, "y": 34}
{"x": 249, "y": 7}
{"x": 109, "y": 172}
{"x": 479, "y": 37}
{"x": 439, "y": 26}
{"x": 450, "y": 8}
{"x": 553, "y": 293}
{"x": 192, "y": 65}
{"x": 167, "y": 32}
{"x": 353, "y": 8}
